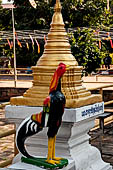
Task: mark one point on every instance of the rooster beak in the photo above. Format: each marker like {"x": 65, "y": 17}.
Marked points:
{"x": 67, "y": 67}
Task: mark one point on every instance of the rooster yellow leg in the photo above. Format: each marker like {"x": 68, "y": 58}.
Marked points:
{"x": 50, "y": 152}
{"x": 53, "y": 156}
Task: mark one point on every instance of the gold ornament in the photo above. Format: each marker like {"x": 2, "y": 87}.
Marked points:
{"x": 56, "y": 50}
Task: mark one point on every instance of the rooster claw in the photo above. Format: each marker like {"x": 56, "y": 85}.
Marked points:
{"x": 57, "y": 159}
{"x": 53, "y": 162}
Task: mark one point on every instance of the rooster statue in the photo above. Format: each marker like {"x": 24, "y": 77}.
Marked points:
{"x": 51, "y": 117}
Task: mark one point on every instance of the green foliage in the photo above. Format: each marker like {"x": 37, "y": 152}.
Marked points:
{"x": 111, "y": 6}
{"x": 86, "y": 49}
{"x": 28, "y": 57}
{"x": 29, "y": 18}
{"x": 76, "y": 13}
{"x": 87, "y": 13}
{"x": 5, "y": 19}
{"x": 24, "y": 57}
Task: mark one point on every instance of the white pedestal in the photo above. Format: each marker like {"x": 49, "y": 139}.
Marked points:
{"x": 72, "y": 140}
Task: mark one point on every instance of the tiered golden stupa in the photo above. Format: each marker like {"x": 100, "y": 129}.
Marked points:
{"x": 57, "y": 49}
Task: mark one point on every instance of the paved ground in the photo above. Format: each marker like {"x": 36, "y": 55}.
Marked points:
{"x": 6, "y": 143}
{"x": 89, "y": 82}
{"x": 104, "y": 142}
{"x": 99, "y": 79}
{"x": 19, "y": 83}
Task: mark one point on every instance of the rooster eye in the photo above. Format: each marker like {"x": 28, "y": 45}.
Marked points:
{"x": 60, "y": 67}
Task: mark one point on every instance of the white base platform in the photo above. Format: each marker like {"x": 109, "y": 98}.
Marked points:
{"x": 72, "y": 141}
{"x": 20, "y": 165}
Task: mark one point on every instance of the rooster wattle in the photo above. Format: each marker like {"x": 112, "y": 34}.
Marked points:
{"x": 51, "y": 117}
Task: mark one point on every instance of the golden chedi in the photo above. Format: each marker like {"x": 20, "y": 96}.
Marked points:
{"x": 57, "y": 49}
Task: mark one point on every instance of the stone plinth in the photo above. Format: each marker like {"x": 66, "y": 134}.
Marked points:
{"x": 72, "y": 140}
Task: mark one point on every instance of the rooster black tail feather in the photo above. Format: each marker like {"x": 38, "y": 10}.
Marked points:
{"x": 26, "y": 129}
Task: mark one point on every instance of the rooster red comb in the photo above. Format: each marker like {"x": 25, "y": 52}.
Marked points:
{"x": 62, "y": 64}
{"x": 58, "y": 74}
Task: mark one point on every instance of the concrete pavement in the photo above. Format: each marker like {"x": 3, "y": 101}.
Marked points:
{"x": 19, "y": 83}
{"x": 89, "y": 82}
